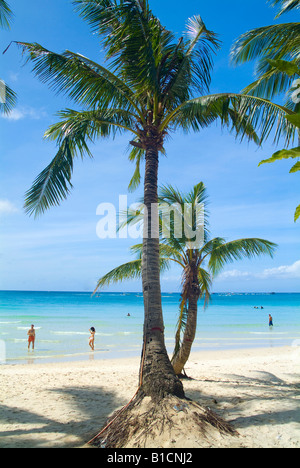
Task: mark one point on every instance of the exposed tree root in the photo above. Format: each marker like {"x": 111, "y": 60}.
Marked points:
{"x": 184, "y": 376}
{"x": 144, "y": 423}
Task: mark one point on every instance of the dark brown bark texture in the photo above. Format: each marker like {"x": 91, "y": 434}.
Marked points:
{"x": 181, "y": 358}
{"x": 158, "y": 377}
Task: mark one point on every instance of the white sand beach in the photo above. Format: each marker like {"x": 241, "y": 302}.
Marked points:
{"x": 65, "y": 405}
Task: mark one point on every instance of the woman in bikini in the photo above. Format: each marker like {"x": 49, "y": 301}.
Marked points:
{"x": 31, "y": 337}
{"x": 92, "y": 338}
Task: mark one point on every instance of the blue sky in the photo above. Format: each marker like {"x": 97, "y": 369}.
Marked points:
{"x": 60, "y": 250}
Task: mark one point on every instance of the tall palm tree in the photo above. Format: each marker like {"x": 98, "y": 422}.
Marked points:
{"x": 148, "y": 89}
{"x": 7, "y": 95}
{"x": 200, "y": 262}
{"x": 277, "y": 51}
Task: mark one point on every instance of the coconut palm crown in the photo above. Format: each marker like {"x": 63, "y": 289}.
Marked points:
{"x": 151, "y": 87}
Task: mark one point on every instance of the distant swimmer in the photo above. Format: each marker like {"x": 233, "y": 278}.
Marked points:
{"x": 128, "y": 315}
{"x": 92, "y": 338}
{"x": 31, "y": 337}
{"x": 270, "y": 321}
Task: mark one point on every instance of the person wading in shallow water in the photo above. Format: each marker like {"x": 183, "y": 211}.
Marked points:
{"x": 31, "y": 337}
{"x": 92, "y": 338}
{"x": 270, "y": 321}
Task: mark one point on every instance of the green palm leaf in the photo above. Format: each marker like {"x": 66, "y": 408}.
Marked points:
{"x": 254, "y": 113}
{"x": 130, "y": 270}
{"x": 132, "y": 35}
{"x": 83, "y": 80}
{"x": 280, "y": 41}
{"x": 53, "y": 184}
{"x": 8, "y": 98}
{"x": 283, "y": 154}
{"x": 286, "y": 5}
{"x": 191, "y": 61}
{"x": 221, "y": 252}
{"x": 5, "y": 14}
{"x": 295, "y": 168}
{"x": 72, "y": 135}
{"x": 297, "y": 213}
{"x": 277, "y": 49}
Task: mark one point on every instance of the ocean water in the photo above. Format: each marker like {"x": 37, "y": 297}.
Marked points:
{"x": 62, "y": 322}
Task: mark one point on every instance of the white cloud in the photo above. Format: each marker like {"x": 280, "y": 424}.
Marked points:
{"x": 285, "y": 271}
{"x": 24, "y": 112}
{"x": 6, "y": 207}
{"x": 234, "y": 274}
{"x": 281, "y": 272}
{"x": 14, "y": 76}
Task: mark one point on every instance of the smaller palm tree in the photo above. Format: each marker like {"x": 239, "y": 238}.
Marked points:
{"x": 200, "y": 261}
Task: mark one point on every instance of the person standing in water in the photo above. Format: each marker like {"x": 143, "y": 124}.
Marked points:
{"x": 31, "y": 337}
{"x": 270, "y": 321}
{"x": 92, "y": 338}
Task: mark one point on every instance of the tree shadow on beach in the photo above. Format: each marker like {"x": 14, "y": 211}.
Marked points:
{"x": 93, "y": 404}
{"x": 264, "y": 389}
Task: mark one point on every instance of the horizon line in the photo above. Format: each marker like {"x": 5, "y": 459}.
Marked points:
{"x": 140, "y": 292}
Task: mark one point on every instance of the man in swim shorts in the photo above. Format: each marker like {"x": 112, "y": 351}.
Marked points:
{"x": 31, "y": 337}
{"x": 270, "y": 321}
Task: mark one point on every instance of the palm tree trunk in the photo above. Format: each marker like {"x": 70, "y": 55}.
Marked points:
{"x": 181, "y": 358}
{"x": 158, "y": 377}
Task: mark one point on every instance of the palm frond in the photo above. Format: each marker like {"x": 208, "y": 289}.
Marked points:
{"x": 221, "y": 252}
{"x": 127, "y": 271}
{"x": 274, "y": 77}
{"x": 132, "y": 37}
{"x": 131, "y": 217}
{"x": 286, "y": 6}
{"x": 8, "y": 98}
{"x": 72, "y": 134}
{"x": 5, "y": 14}
{"x": 190, "y": 63}
{"x": 254, "y": 113}
{"x": 203, "y": 45}
{"x": 102, "y": 16}
{"x": 189, "y": 215}
{"x": 280, "y": 41}
{"x": 282, "y": 154}
{"x": 295, "y": 168}
{"x": 167, "y": 253}
{"x": 181, "y": 326}
{"x": 53, "y": 184}
{"x": 137, "y": 155}
{"x": 297, "y": 213}
{"x": 205, "y": 284}
{"x": 83, "y": 80}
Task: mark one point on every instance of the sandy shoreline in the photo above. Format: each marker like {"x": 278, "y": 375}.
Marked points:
{"x": 66, "y": 404}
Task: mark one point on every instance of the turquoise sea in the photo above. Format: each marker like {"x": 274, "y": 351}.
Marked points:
{"x": 63, "y": 319}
